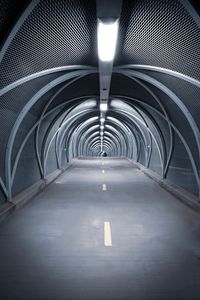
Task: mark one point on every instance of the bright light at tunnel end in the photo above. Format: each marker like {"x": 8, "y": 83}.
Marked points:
{"x": 107, "y": 38}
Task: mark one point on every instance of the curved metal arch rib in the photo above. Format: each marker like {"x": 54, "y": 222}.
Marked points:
{"x": 194, "y": 167}
{"x": 138, "y": 128}
{"x": 174, "y": 98}
{"x": 47, "y": 147}
{"x": 23, "y": 113}
{"x": 34, "y": 127}
{"x": 167, "y": 159}
{"x": 184, "y": 77}
{"x": 17, "y": 26}
{"x": 143, "y": 124}
{"x": 130, "y": 132}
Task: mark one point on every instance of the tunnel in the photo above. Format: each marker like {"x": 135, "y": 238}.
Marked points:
{"x": 100, "y": 150}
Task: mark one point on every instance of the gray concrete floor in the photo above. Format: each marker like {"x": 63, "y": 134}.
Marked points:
{"x": 53, "y": 247}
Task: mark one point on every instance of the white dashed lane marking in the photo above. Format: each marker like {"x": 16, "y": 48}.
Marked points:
{"x": 104, "y": 188}
{"x": 107, "y": 234}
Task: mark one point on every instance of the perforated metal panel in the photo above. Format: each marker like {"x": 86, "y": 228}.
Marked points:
{"x": 159, "y": 33}
{"x": 56, "y": 33}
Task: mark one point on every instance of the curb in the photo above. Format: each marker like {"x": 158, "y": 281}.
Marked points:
{"x": 23, "y": 197}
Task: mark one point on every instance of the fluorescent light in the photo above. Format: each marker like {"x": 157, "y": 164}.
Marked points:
{"x": 103, "y": 106}
{"x": 107, "y": 38}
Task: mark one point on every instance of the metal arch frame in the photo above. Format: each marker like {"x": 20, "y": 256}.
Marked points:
{"x": 6, "y": 44}
{"x": 59, "y": 151}
{"x": 80, "y": 135}
{"x": 47, "y": 147}
{"x": 149, "y": 149}
{"x": 162, "y": 140}
{"x": 84, "y": 127}
{"x": 134, "y": 133}
{"x": 81, "y": 138}
{"x": 167, "y": 160}
{"x": 131, "y": 143}
{"x": 93, "y": 145}
{"x": 52, "y": 98}
{"x": 64, "y": 140}
{"x": 136, "y": 125}
{"x": 138, "y": 131}
{"x": 45, "y": 137}
{"x": 63, "y": 114}
{"x": 34, "y": 127}
{"x": 192, "y": 11}
{"x": 174, "y": 98}
{"x": 92, "y": 136}
{"x": 68, "y": 140}
{"x": 177, "y": 132}
{"x": 115, "y": 139}
{"x": 184, "y": 77}
{"x": 89, "y": 141}
{"x": 28, "y": 10}
{"x": 143, "y": 124}
{"x": 109, "y": 142}
{"x": 98, "y": 152}
{"x": 39, "y": 74}
{"x": 107, "y": 146}
{"x": 131, "y": 134}
{"x": 123, "y": 140}
{"x": 108, "y": 149}
{"x": 96, "y": 140}
{"x": 23, "y": 113}
{"x": 155, "y": 140}
{"x": 158, "y": 130}
{"x": 3, "y": 187}
{"x": 58, "y": 154}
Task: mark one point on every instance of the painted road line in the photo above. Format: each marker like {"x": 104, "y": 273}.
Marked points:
{"x": 104, "y": 188}
{"x": 107, "y": 234}
{"x": 103, "y": 171}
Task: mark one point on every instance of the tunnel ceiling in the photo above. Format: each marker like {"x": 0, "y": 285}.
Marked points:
{"x": 53, "y": 82}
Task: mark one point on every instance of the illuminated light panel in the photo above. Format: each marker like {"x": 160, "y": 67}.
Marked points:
{"x": 103, "y": 106}
{"x": 107, "y": 39}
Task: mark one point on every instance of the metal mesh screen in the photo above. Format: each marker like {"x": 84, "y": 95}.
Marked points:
{"x": 180, "y": 170}
{"x": 56, "y": 33}
{"x": 159, "y": 33}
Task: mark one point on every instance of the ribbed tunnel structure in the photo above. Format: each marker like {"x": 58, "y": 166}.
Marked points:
{"x": 53, "y": 82}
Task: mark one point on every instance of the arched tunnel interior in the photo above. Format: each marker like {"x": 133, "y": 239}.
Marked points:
{"x": 66, "y": 111}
